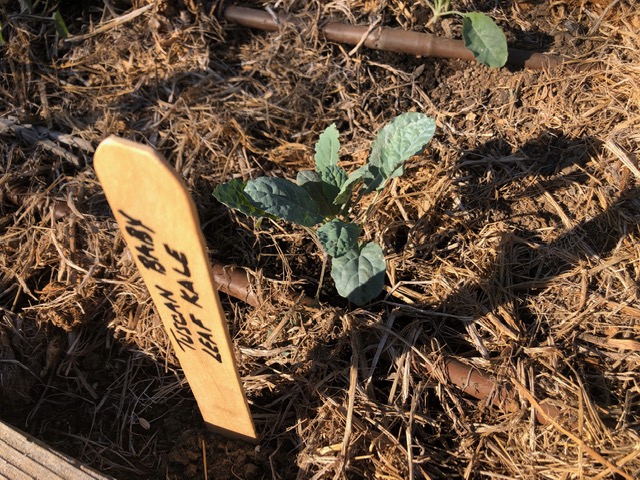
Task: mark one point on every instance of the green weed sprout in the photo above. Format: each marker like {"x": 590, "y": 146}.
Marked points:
{"x": 321, "y": 200}
{"x": 480, "y": 33}
{"x": 61, "y": 26}
{"x": 26, "y": 6}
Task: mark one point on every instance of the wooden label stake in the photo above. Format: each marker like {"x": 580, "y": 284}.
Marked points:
{"x": 160, "y": 225}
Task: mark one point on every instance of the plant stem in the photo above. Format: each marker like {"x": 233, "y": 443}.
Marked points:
{"x": 439, "y": 8}
{"x": 451, "y": 12}
{"x": 325, "y": 257}
{"x": 370, "y": 207}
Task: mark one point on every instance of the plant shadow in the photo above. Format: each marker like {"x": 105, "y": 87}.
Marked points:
{"x": 538, "y": 243}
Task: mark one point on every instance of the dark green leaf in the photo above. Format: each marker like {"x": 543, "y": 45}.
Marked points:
{"x": 374, "y": 178}
{"x": 325, "y": 188}
{"x": 333, "y": 178}
{"x": 347, "y": 187}
{"x": 232, "y": 195}
{"x": 338, "y": 238}
{"x": 284, "y": 199}
{"x": 308, "y": 176}
{"x": 359, "y": 275}
{"x": 312, "y": 182}
{"x": 485, "y": 39}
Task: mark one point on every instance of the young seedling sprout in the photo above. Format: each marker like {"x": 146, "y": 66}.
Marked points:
{"x": 480, "y": 33}
{"x": 321, "y": 200}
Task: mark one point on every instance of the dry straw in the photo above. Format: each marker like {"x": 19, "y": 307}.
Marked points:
{"x": 512, "y": 245}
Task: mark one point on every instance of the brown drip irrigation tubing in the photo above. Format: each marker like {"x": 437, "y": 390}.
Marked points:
{"x": 385, "y": 38}
{"x": 234, "y": 282}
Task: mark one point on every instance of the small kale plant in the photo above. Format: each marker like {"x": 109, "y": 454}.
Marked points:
{"x": 321, "y": 200}
{"x": 480, "y": 33}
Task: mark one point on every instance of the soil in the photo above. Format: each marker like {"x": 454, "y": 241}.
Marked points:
{"x": 511, "y": 242}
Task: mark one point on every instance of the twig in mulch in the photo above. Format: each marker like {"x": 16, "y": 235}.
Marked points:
{"x": 110, "y": 25}
{"x": 42, "y": 137}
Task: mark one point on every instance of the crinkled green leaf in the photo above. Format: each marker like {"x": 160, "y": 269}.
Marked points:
{"x": 232, "y": 195}
{"x": 359, "y": 274}
{"x": 284, "y": 199}
{"x": 338, "y": 238}
{"x": 324, "y": 188}
{"x": 485, "y": 39}
{"x": 326, "y": 158}
{"x": 347, "y": 187}
{"x": 327, "y": 148}
{"x": 333, "y": 178}
{"x": 398, "y": 141}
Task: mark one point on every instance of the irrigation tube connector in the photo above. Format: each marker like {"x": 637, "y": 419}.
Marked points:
{"x": 385, "y": 38}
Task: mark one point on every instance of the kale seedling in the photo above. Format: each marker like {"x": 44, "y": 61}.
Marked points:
{"x": 324, "y": 197}
{"x": 480, "y": 33}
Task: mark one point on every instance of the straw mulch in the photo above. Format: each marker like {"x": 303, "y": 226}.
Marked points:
{"x": 512, "y": 243}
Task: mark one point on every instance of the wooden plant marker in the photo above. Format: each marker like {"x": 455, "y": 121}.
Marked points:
{"x": 160, "y": 225}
